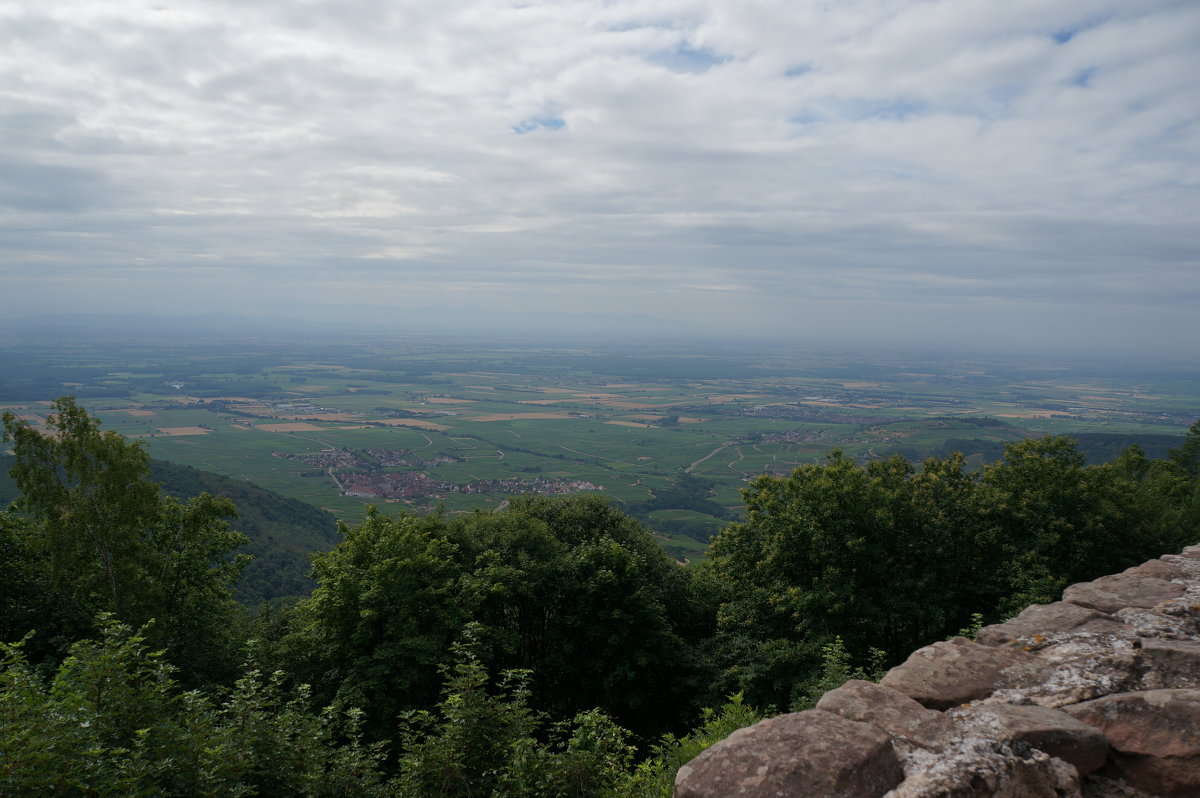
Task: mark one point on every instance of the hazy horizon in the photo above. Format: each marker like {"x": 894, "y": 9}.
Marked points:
{"x": 1020, "y": 177}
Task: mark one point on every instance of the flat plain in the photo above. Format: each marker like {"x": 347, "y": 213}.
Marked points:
{"x": 420, "y": 425}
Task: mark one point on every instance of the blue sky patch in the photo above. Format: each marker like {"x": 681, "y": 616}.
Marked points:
{"x": 533, "y": 123}
{"x": 688, "y": 59}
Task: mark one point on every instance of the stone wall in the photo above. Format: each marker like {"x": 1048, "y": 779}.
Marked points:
{"x": 1093, "y": 696}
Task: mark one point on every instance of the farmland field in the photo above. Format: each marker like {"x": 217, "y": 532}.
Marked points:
{"x": 419, "y": 425}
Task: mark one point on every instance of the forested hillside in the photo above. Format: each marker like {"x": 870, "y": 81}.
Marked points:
{"x": 281, "y": 532}
{"x": 540, "y": 650}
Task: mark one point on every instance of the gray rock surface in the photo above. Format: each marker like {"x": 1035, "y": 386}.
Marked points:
{"x": 1079, "y": 668}
{"x": 977, "y": 764}
{"x": 1155, "y": 737}
{"x": 1048, "y": 730}
{"x": 947, "y": 674}
{"x": 1115, "y": 592}
{"x": 813, "y": 754}
{"x": 1170, "y": 663}
{"x": 1040, "y": 623}
{"x": 1157, "y": 569}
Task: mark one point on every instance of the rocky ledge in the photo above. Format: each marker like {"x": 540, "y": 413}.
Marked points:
{"x": 1094, "y": 696}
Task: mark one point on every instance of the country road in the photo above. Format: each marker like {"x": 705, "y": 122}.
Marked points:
{"x": 688, "y": 470}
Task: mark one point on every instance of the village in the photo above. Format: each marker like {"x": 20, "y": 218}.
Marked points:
{"x": 418, "y": 485}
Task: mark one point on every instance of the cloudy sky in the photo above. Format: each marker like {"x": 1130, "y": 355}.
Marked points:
{"x": 1025, "y": 173}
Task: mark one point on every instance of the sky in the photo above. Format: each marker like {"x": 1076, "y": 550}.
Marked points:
{"x": 1023, "y": 174}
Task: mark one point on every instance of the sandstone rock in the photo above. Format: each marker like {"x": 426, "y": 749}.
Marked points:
{"x": 1098, "y": 786}
{"x": 1158, "y": 569}
{"x": 1079, "y": 668}
{"x": 1111, "y": 593}
{"x": 1170, "y": 663}
{"x": 1192, "y": 552}
{"x": 814, "y": 754}
{"x": 1155, "y": 737}
{"x": 977, "y": 765}
{"x": 1048, "y": 730}
{"x": 1171, "y": 620}
{"x": 1188, "y": 561}
{"x": 1039, "y": 623}
{"x": 897, "y": 714}
{"x": 945, "y": 675}
{"x": 1037, "y": 776}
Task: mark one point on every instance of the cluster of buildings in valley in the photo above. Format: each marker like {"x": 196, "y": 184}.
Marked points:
{"x": 791, "y": 436}
{"x": 417, "y": 485}
{"x": 329, "y": 458}
{"x": 366, "y": 458}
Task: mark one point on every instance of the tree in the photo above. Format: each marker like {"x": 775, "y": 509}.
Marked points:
{"x": 89, "y": 493}
{"x": 104, "y": 540}
{"x": 580, "y": 594}
{"x": 833, "y": 550}
{"x": 1187, "y": 456}
{"x": 876, "y": 557}
{"x": 484, "y": 740}
{"x": 114, "y": 721}
{"x": 1060, "y": 521}
{"x": 387, "y": 606}
{"x": 569, "y": 589}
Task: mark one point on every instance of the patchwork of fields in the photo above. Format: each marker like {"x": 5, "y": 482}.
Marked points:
{"x": 466, "y": 428}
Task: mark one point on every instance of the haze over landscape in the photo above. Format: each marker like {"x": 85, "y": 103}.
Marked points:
{"x": 1018, "y": 174}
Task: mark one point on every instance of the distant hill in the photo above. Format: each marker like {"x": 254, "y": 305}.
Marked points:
{"x": 282, "y": 532}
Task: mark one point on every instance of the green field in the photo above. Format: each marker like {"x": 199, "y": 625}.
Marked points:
{"x": 629, "y": 422}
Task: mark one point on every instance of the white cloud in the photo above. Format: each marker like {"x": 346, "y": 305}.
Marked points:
{"x": 908, "y": 152}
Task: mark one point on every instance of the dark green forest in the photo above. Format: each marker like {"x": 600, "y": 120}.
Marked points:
{"x": 550, "y": 648}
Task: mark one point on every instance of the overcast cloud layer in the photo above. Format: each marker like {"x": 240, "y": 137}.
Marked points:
{"x": 1024, "y": 172}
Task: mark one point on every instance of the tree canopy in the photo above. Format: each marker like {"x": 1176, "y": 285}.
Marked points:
{"x": 521, "y": 652}
{"x": 100, "y": 537}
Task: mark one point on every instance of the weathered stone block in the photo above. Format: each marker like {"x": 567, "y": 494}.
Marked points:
{"x": 890, "y": 710}
{"x": 1155, "y": 737}
{"x": 814, "y": 754}
{"x": 947, "y": 674}
{"x": 1191, "y": 552}
{"x": 1039, "y": 622}
{"x": 1115, "y": 592}
{"x": 1158, "y": 569}
{"x": 1048, "y": 730}
{"x": 1170, "y": 663}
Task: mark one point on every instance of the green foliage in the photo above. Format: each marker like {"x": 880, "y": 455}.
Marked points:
{"x": 590, "y": 628}
{"x": 281, "y": 532}
{"x": 688, "y": 493}
{"x": 819, "y": 557}
{"x": 481, "y": 743}
{"x": 113, "y": 721}
{"x": 1187, "y": 456}
{"x": 836, "y": 670}
{"x": 569, "y": 589}
{"x": 388, "y": 605}
{"x": 1060, "y": 521}
{"x": 579, "y": 593}
{"x": 88, "y": 491}
{"x": 970, "y": 630}
{"x": 654, "y": 776}
{"x": 99, "y": 537}
{"x": 885, "y": 556}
